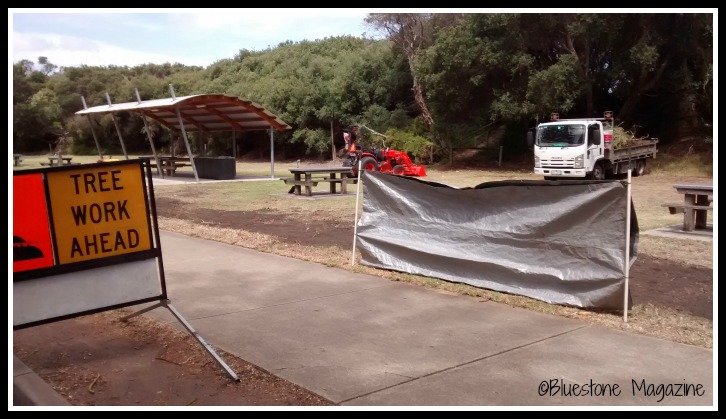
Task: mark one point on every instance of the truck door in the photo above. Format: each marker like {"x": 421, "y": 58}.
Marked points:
{"x": 594, "y": 147}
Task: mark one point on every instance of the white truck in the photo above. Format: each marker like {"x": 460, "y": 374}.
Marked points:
{"x": 582, "y": 148}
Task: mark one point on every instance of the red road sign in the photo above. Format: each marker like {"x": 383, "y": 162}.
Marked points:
{"x": 32, "y": 246}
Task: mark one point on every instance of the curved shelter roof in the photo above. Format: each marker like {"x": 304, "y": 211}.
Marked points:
{"x": 208, "y": 113}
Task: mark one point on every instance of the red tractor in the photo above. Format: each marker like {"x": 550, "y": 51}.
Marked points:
{"x": 384, "y": 160}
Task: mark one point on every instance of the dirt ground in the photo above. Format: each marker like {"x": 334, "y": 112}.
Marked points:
{"x": 661, "y": 282}
{"x": 98, "y": 360}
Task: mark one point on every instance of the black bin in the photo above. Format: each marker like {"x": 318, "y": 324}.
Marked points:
{"x": 216, "y": 167}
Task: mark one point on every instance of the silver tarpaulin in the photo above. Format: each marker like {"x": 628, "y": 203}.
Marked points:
{"x": 561, "y": 242}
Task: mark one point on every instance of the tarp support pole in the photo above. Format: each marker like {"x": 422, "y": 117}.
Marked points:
{"x": 184, "y": 134}
{"x": 190, "y": 329}
{"x": 627, "y": 249}
{"x": 151, "y": 139}
{"x": 355, "y": 219}
{"x": 118, "y": 130}
{"x": 234, "y": 145}
{"x": 272, "y": 153}
{"x": 93, "y": 132}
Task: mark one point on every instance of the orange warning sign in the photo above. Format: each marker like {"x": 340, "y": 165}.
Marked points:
{"x": 98, "y": 212}
{"x": 32, "y": 246}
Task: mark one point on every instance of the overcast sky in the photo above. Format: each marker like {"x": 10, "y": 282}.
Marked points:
{"x": 198, "y": 37}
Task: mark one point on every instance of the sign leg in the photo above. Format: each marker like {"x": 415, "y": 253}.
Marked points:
{"x": 201, "y": 341}
{"x": 190, "y": 329}
{"x": 140, "y": 312}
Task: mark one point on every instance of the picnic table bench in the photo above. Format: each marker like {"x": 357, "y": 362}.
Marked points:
{"x": 696, "y": 203}
{"x": 315, "y": 175}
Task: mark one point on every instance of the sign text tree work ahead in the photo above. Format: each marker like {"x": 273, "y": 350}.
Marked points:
{"x": 98, "y": 212}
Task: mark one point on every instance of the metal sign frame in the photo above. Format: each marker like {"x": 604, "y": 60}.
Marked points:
{"x": 154, "y": 252}
{"x": 161, "y": 300}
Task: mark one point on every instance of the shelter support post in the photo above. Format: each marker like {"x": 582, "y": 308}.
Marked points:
{"x": 118, "y": 130}
{"x": 93, "y": 132}
{"x": 190, "y": 329}
{"x": 151, "y": 139}
{"x": 272, "y": 153}
{"x": 184, "y": 134}
{"x": 186, "y": 143}
{"x": 153, "y": 148}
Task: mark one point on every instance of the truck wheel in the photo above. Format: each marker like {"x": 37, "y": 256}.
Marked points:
{"x": 598, "y": 173}
{"x": 639, "y": 168}
{"x": 367, "y": 163}
{"x": 399, "y": 170}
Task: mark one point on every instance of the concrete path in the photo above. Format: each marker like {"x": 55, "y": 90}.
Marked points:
{"x": 676, "y": 232}
{"x": 363, "y": 340}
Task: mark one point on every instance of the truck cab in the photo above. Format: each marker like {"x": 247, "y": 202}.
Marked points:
{"x": 571, "y": 148}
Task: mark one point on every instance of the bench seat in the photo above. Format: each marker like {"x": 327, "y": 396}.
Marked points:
{"x": 681, "y": 208}
{"x": 291, "y": 181}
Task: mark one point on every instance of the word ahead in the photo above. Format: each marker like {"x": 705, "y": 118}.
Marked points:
{"x": 99, "y": 212}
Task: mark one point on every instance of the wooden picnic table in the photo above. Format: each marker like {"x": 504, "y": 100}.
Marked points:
{"x": 697, "y": 199}
{"x": 169, "y": 164}
{"x": 315, "y": 175}
{"x": 59, "y": 160}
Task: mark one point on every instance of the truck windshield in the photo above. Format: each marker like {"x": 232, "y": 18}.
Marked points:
{"x": 565, "y": 135}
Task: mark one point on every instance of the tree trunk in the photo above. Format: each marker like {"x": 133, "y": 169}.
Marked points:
{"x": 643, "y": 86}
{"x": 421, "y": 102}
{"x": 588, "y": 99}
{"x": 584, "y": 70}
{"x": 588, "y": 79}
